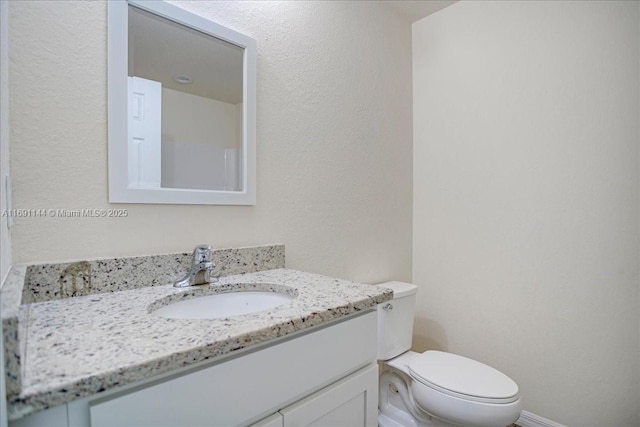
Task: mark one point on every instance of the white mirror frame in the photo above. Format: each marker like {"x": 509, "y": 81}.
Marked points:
{"x": 119, "y": 192}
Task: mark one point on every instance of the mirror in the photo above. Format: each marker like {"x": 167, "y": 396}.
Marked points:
{"x": 181, "y": 107}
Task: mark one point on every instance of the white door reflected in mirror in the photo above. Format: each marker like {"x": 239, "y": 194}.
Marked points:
{"x": 181, "y": 107}
{"x": 145, "y": 141}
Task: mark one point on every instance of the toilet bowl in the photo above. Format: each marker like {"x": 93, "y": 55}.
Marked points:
{"x": 435, "y": 388}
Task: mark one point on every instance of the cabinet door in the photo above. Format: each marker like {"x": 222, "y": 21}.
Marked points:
{"x": 350, "y": 402}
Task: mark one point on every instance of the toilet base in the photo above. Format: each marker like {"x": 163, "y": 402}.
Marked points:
{"x": 386, "y": 421}
{"x": 392, "y": 412}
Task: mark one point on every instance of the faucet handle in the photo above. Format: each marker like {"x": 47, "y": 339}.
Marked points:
{"x": 202, "y": 253}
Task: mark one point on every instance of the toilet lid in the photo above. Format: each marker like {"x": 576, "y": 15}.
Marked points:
{"x": 462, "y": 377}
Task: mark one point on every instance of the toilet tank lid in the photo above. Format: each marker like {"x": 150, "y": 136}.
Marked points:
{"x": 400, "y": 289}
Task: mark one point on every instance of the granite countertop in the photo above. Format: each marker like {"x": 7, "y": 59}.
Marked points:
{"x": 77, "y": 347}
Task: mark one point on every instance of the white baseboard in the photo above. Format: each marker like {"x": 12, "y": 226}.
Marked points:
{"x": 527, "y": 419}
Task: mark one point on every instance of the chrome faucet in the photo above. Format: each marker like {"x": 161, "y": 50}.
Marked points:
{"x": 201, "y": 271}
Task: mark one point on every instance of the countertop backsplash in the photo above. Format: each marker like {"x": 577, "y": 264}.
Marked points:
{"x": 46, "y": 282}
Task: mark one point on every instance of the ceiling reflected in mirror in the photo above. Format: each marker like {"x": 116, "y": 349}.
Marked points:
{"x": 162, "y": 50}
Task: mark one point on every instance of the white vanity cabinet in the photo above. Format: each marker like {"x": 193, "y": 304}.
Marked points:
{"x": 326, "y": 377}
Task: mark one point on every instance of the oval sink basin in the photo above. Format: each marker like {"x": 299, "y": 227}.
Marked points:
{"x": 223, "y": 305}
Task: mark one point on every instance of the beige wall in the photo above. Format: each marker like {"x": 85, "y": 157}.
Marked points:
{"x": 198, "y": 120}
{"x": 526, "y": 180}
{"x": 195, "y": 133}
{"x": 333, "y": 137}
{"x": 5, "y": 240}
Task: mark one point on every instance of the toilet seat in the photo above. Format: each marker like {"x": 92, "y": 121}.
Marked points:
{"x": 463, "y": 378}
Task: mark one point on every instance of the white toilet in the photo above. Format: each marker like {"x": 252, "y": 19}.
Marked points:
{"x": 435, "y": 389}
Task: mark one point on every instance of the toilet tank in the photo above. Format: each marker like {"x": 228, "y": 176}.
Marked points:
{"x": 395, "y": 320}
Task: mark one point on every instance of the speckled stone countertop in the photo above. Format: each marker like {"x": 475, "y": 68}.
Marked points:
{"x": 26, "y": 284}
{"x": 77, "y": 347}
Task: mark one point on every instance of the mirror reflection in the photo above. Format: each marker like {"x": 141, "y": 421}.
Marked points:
{"x": 185, "y": 93}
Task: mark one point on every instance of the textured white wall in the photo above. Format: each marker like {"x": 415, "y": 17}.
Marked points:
{"x": 526, "y": 181}
{"x": 333, "y": 136}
